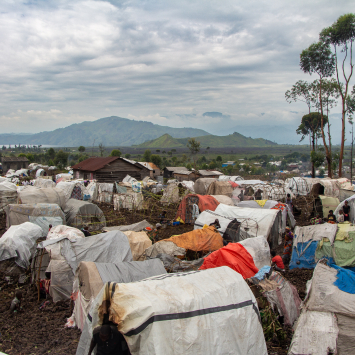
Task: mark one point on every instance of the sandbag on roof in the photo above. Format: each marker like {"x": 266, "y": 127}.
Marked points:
{"x": 32, "y": 194}
{"x": 206, "y": 239}
{"x": 170, "y": 314}
{"x": 220, "y": 188}
{"x": 256, "y": 222}
{"x": 136, "y": 227}
{"x": 19, "y": 242}
{"x": 8, "y": 193}
{"x": 91, "y": 277}
{"x": 233, "y": 255}
{"x": 201, "y": 185}
{"x": 139, "y": 242}
{"x": 42, "y": 214}
{"x": 111, "y": 247}
{"x": 80, "y": 213}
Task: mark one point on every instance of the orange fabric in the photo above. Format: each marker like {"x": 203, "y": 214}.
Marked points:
{"x": 234, "y": 185}
{"x": 204, "y": 203}
{"x": 235, "y": 256}
{"x": 206, "y": 239}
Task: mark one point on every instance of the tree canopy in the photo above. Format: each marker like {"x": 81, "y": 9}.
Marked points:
{"x": 115, "y": 153}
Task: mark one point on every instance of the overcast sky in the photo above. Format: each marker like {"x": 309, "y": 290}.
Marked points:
{"x": 222, "y": 66}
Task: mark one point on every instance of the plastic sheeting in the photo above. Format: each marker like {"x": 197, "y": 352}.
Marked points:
{"x": 67, "y": 187}
{"x": 346, "y": 336}
{"x": 138, "y": 242}
{"x": 171, "y": 315}
{"x": 233, "y": 255}
{"x": 172, "y": 264}
{"x": 32, "y": 194}
{"x": 224, "y": 199}
{"x": 8, "y": 193}
{"x": 171, "y": 194}
{"x": 91, "y": 277}
{"x": 303, "y": 255}
{"x": 82, "y": 213}
{"x": 130, "y": 200}
{"x": 324, "y": 296}
{"x": 220, "y": 188}
{"x": 45, "y": 183}
{"x": 259, "y": 249}
{"x": 43, "y": 212}
{"x": 315, "y": 233}
{"x": 19, "y": 242}
{"x": 105, "y": 192}
{"x": 206, "y": 239}
{"x": 164, "y": 247}
{"x": 316, "y": 333}
{"x": 136, "y": 227}
{"x": 201, "y": 185}
{"x": 255, "y": 222}
{"x": 351, "y": 201}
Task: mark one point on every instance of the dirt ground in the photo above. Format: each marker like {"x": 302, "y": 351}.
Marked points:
{"x": 41, "y": 331}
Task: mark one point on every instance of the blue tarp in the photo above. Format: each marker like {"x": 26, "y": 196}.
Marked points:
{"x": 262, "y": 272}
{"x": 302, "y": 257}
{"x": 345, "y": 279}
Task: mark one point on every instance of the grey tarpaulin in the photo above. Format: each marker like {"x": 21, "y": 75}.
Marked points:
{"x": 111, "y": 247}
{"x": 177, "y": 265}
{"x": 80, "y": 213}
{"x": 136, "y": 227}
{"x": 32, "y": 194}
{"x": 19, "y": 242}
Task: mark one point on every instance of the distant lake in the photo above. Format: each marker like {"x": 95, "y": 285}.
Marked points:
{"x": 31, "y": 145}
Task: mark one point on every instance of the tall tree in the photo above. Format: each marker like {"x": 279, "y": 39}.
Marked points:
{"x": 147, "y": 156}
{"x": 102, "y": 149}
{"x": 194, "y": 148}
{"x": 115, "y": 153}
{"x": 341, "y": 35}
{"x": 318, "y": 58}
{"x": 311, "y": 125}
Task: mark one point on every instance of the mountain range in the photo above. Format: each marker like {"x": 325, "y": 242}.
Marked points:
{"x": 212, "y": 141}
{"x": 110, "y": 131}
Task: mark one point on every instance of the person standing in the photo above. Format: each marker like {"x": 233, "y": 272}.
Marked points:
{"x": 346, "y": 211}
{"x": 287, "y": 246}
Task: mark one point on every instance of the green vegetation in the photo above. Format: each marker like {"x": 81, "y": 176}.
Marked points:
{"x": 115, "y": 153}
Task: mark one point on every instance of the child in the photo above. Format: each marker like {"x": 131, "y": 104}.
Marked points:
{"x": 16, "y": 302}
{"x": 341, "y": 216}
{"x": 331, "y": 217}
{"x": 277, "y": 260}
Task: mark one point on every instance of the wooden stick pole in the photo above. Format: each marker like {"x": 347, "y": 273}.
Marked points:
{"x": 39, "y": 274}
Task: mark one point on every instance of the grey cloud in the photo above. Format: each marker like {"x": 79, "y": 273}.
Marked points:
{"x": 215, "y": 115}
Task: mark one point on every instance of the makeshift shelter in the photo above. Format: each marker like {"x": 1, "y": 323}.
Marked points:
{"x": 139, "y": 242}
{"x": 19, "y": 242}
{"x": 305, "y": 243}
{"x": 351, "y": 202}
{"x": 192, "y": 205}
{"x": 255, "y": 222}
{"x": 206, "y": 239}
{"x": 82, "y": 213}
{"x": 220, "y": 188}
{"x": 270, "y": 204}
{"x": 8, "y": 194}
{"x": 233, "y": 255}
{"x": 180, "y": 319}
{"x": 31, "y": 194}
{"x": 324, "y": 204}
{"x": 188, "y": 185}
{"x": 342, "y": 248}
{"x": 259, "y": 249}
{"x": 47, "y": 183}
{"x": 328, "y": 318}
{"x": 91, "y": 277}
{"x": 224, "y": 199}
{"x": 111, "y": 247}
{"x": 42, "y": 214}
{"x": 164, "y": 247}
{"x": 105, "y": 192}
{"x": 130, "y": 200}
{"x": 171, "y": 194}
{"x": 229, "y": 178}
{"x": 201, "y": 185}
{"x": 71, "y": 189}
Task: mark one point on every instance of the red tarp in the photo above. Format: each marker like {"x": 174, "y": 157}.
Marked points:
{"x": 234, "y": 185}
{"x": 233, "y": 255}
{"x": 206, "y": 202}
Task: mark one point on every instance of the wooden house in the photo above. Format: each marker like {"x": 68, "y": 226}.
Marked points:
{"x": 154, "y": 170}
{"x": 15, "y": 163}
{"x": 210, "y": 174}
{"x": 109, "y": 169}
{"x": 169, "y": 171}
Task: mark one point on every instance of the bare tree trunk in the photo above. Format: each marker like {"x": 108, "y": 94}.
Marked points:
{"x": 313, "y": 145}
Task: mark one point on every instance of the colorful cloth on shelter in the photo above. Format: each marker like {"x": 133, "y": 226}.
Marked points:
{"x": 316, "y": 220}
{"x": 261, "y": 203}
{"x": 185, "y": 210}
{"x": 233, "y": 255}
{"x": 279, "y": 206}
{"x": 206, "y": 239}
{"x": 345, "y": 279}
{"x": 76, "y": 193}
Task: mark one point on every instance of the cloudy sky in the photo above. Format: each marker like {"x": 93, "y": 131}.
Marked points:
{"x": 222, "y": 66}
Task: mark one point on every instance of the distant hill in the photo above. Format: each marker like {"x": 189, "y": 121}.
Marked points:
{"x": 111, "y": 131}
{"x": 232, "y": 140}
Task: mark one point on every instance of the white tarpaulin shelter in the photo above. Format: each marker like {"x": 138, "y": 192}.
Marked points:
{"x": 201, "y": 312}
{"x": 207, "y": 217}
{"x": 130, "y": 200}
{"x": 39, "y": 182}
{"x": 259, "y": 249}
{"x": 139, "y": 242}
{"x": 19, "y": 242}
{"x": 111, "y": 247}
{"x": 31, "y": 194}
{"x": 171, "y": 194}
{"x": 91, "y": 277}
{"x": 224, "y": 199}
{"x": 256, "y": 222}
{"x": 136, "y": 227}
{"x": 201, "y": 185}
{"x": 351, "y": 202}
{"x": 42, "y": 214}
{"x": 8, "y": 193}
{"x": 229, "y": 178}
{"x": 315, "y": 233}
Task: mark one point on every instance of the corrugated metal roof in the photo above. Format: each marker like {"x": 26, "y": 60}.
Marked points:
{"x": 93, "y": 164}
{"x": 12, "y": 159}
{"x": 175, "y": 168}
{"x": 150, "y": 166}
{"x": 209, "y": 173}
